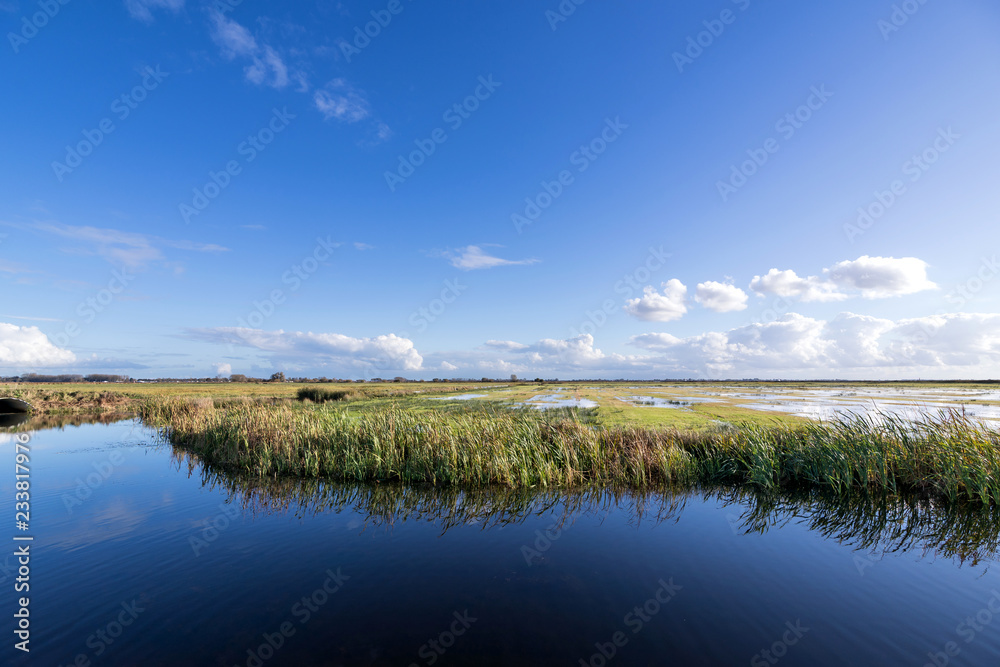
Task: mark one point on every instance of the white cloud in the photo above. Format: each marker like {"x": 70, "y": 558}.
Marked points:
{"x": 445, "y": 366}
{"x": 656, "y": 307}
{"x": 655, "y": 341}
{"x": 121, "y": 248}
{"x": 882, "y": 277}
{"x": 720, "y": 297}
{"x": 548, "y": 356}
{"x": 267, "y": 67}
{"x": 788, "y": 284}
{"x": 235, "y": 40}
{"x": 224, "y": 370}
{"x": 339, "y": 100}
{"x": 29, "y": 347}
{"x": 473, "y": 257}
{"x": 506, "y": 345}
{"x": 380, "y": 353}
{"x": 868, "y": 346}
{"x": 142, "y": 10}
{"x": 868, "y": 277}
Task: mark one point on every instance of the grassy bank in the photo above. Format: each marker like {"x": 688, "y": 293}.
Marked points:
{"x": 98, "y": 398}
{"x": 948, "y": 456}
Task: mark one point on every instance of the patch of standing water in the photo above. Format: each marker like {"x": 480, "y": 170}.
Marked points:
{"x": 549, "y": 401}
{"x": 460, "y": 397}
{"x": 871, "y": 410}
{"x": 652, "y": 402}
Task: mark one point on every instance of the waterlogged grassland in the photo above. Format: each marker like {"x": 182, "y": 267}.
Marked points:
{"x": 699, "y": 406}
{"x": 702, "y": 405}
{"x": 948, "y": 456}
{"x": 396, "y": 433}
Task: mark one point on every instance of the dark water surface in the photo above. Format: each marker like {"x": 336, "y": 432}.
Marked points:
{"x": 143, "y": 557}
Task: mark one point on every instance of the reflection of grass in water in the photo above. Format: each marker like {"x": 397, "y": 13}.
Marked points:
{"x": 877, "y": 524}
{"x": 38, "y": 422}
{"x": 948, "y": 456}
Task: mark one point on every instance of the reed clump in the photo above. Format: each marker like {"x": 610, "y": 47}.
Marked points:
{"x": 949, "y": 455}
{"x": 320, "y": 395}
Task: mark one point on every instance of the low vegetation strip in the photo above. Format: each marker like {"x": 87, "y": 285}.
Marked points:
{"x": 947, "y": 456}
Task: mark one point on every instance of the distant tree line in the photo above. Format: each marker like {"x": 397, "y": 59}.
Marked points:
{"x": 67, "y": 377}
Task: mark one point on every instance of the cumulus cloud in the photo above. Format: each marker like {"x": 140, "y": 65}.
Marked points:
{"x": 655, "y": 341}
{"x": 474, "y": 257}
{"x": 882, "y": 277}
{"x": 654, "y": 306}
{"x": 505, "y": 345}
{"x": 142, "y": 10}
{"x": 28, "y": 347}
{"x": 223, "y": 370}
{"x": 388, "y": 352}
{"x": 789, "y": 285}
{"x": 548, "y": 356}
{"x": 720, "y": 297}
{"x": 340, "y": 101}
{"x": 849, "y": 342}
{"x": 868, "y": 277}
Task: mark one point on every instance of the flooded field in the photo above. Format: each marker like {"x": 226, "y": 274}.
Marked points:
{"x": 143, "y": 556}
{"x": 707, "y": 403}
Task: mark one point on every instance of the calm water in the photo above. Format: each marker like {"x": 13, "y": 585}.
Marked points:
{"x": 142, "y": 557}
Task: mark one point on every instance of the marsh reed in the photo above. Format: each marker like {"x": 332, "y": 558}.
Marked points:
{"x": 947, "y": 456}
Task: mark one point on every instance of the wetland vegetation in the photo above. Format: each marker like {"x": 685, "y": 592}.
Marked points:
{"x": 498, "y": 438}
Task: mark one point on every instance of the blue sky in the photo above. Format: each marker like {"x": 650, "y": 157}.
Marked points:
{"x": 723, "y": 189}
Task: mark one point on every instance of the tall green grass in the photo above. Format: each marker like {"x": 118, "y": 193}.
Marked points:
{"x": 947, "y": 456}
